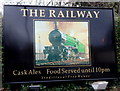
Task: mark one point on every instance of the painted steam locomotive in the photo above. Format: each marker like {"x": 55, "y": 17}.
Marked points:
{"x": 64, "y": 47}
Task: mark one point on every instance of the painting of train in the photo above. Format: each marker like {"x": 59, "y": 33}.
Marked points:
{"x": 61, "y": 47}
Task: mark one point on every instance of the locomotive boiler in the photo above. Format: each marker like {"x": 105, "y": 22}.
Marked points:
{"x": 64, "y": 47}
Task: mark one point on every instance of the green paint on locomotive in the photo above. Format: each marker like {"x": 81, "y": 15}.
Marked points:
{"x": 70, "y": 41}
{"x": 80, "y": 47}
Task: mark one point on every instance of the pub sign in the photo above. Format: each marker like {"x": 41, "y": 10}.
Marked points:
{"x": 46, "y": 44}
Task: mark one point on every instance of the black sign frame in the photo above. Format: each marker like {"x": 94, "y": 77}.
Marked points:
{"x": 19, "y": 44}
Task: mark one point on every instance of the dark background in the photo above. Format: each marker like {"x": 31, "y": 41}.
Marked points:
{"x": 18, "y": 43}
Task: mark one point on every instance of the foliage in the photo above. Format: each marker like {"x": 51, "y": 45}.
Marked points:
{"x": 118, "y": 41}
{"x": 60, "y": 86}
{"x": 114, "y": 5}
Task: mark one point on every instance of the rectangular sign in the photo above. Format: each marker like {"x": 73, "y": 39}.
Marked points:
{"x": 58, "y": 44}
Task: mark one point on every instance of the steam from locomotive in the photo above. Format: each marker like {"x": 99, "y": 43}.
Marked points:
{"x": 64, "y": 47}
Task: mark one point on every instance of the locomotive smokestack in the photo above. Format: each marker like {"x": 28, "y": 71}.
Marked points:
{"x": 56, "y": 28}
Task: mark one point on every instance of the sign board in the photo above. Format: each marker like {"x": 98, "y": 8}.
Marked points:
{"x": 58, "y": 44}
